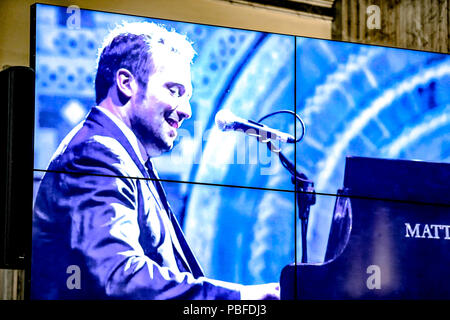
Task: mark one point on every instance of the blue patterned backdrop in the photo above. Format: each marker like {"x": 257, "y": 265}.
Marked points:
{"x": 360, "y": 100}
{"x": 354, "y": 99}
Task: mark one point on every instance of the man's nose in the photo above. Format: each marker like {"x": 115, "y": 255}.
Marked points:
{"x": 184, "y": 110}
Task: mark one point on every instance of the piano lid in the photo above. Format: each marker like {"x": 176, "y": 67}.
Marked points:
{"x": 398, "y": 180}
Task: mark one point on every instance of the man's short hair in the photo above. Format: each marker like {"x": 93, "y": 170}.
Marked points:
{"x": 135, "y": 46}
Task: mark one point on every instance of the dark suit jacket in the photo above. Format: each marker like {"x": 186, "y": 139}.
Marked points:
{"x": 115, "y": 234}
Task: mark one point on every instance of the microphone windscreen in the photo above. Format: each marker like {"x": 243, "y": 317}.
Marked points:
{"x": 224, "y": 118}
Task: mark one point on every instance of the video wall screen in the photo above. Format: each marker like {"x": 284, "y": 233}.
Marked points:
{"x": 367, "y": 101}
{"x": 230, "y": 194}
{"x": 249, "y": 73}
{"x": 231, "y": 247}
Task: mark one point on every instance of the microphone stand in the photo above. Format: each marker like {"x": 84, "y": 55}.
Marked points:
{"x": 305, "y": 195}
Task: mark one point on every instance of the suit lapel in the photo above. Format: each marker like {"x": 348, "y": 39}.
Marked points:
{"x": 178, "y": 240}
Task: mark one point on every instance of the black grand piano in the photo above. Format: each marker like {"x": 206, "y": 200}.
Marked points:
{"x": 389, "y": 239}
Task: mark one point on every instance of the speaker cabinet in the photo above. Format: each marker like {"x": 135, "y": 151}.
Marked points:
{"x": 16, "y": 166}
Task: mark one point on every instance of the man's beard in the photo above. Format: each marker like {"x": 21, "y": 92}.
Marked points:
{"x": 150, "y": 138}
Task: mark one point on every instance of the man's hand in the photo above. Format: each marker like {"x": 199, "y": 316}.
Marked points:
{"x": 267, "y": 291}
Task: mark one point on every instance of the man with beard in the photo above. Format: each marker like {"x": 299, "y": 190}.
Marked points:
{"x": 100, "y": 211}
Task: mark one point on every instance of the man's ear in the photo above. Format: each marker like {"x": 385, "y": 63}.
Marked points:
{"x": 126, "y": 84}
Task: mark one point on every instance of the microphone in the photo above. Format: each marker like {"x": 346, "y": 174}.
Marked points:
{"x": 227, "y": 121}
